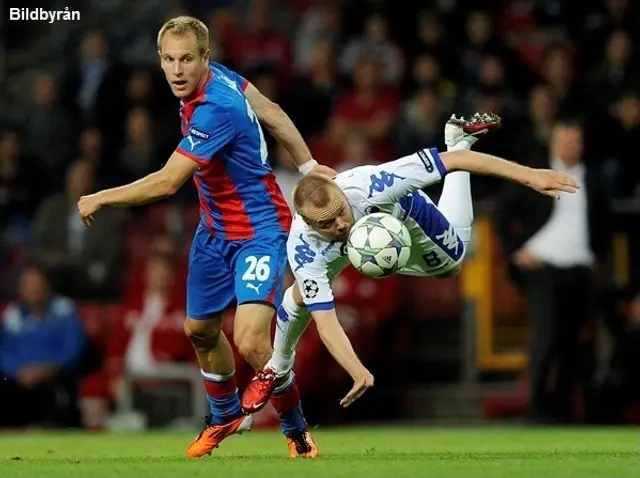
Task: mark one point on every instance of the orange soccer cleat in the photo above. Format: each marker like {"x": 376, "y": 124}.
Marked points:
{"x": 259, "y": 390}
{"x": 212, "y": 435}
{"x": 302, "y": 445}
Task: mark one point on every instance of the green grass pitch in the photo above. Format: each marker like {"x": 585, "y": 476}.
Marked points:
{"x": 409, "y": 452}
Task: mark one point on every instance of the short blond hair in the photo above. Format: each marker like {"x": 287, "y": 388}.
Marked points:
{"x": 314, "y": 190}
{"x": 184, "y": 24}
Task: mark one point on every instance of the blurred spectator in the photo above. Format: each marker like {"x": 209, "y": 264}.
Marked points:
{"x": 140, "y": 343}
{"x": 376, "y": 44}
{"x": 91, "y": 146}
{"x": 623, "y": 140}
{"x": 161, "y": 245}
{"x": 260, "y": 45}
{"x": 616, "y": 71}
{"x": 223, "y": 30}
{"x": 533, "y": 141}
{"x": 431, "y": 41}
{"x": 421, "y": 122}
{"x": 320, "y": 23}
{"x": 356, "y": 151}
{"x": 287, "y": 174}
{"x": 426, "y": 73}
{"x": 314, "y": 89}
{"x": 492, "y": 76}
{"x": 50, "y": 131}
{"x": 558, "y": 70}
{"x": 83, "y": 263}
{"x": 553, "y": 247}
{"x": 369, "y": 109}
{"x": 41, "y": 342}
{"x": 139, "y": 155}
{"x": 95, "y": 82}
{"x": 481, "y": 39}
{"x": 20, "y": 188}
{"x": 147, "y": 333}
{"x": 609, "y": 15}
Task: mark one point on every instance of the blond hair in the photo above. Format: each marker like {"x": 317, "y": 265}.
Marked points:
{"x": 182, "y": 25}
{"x": 314, "y": 190}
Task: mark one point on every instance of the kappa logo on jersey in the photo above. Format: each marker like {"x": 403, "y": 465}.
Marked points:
{"x": 328, "y": 247}
{"x": 450, "y": 239}
{"x": 304, "y": 254}
{"x": 382, "y": 181}
{"x": 198, "y": 134}
{"x": 310, "y": 288}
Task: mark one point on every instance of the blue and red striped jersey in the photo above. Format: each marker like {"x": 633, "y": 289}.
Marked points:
{"x": 238, "y": 193}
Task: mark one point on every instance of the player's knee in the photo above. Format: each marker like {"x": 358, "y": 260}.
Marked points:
{"x": 252, "y": 333}
{"x": 203, "y": 334}
{"x": 254, "y": 347}
{"x": 296, "y": 296}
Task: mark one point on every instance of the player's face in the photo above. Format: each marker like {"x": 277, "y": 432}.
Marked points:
{"x": 182, "y": 63}
{"x": 334, "y": 221}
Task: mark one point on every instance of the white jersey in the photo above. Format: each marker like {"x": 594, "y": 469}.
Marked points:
{"x": 394, "y": 188}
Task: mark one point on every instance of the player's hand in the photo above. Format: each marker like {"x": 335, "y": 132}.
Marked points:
{"x": 524, "y": 259}
{"x": 324, "y": 171}
{"x": 360, "y": 385}
{"x": 87, "y": 207}
{"x": 550, "y": 182}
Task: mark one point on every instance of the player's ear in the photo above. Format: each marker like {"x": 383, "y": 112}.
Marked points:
{"x": 206, "y": 55}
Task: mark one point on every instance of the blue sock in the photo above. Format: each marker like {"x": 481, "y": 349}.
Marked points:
{"x": 223, "y": 397}
{"x": 286, "y": 401}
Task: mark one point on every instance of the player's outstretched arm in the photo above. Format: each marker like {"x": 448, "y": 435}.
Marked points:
{"x": 284, "y": 131}
{"x": 155, "y": 186}
{"x": 545, "y": 181}
{"x": 335, "y": 339}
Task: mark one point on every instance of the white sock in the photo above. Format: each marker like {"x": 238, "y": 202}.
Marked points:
{"x": 455, "y": 201}
{"x": 291, "y": 322}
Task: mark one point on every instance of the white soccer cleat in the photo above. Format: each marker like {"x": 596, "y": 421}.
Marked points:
{"x": 461, "y": 133}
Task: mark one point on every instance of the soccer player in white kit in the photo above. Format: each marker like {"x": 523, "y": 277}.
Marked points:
{"x": 326, "y": 210}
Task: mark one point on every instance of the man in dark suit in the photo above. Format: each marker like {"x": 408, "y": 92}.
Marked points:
{"x": 83, "y": 264}
{"x": 94, "y": 83}
{"x": 554, "y": 247}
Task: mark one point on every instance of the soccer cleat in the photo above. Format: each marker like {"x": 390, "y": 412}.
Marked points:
{"x": 212, "y": 435}
{"x": 302, "y": 445}
{"x": 459, "y": 130}
{"x": 259, "y": 390}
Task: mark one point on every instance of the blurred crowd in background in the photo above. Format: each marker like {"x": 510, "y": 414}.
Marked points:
{"x": 85, "y": 106}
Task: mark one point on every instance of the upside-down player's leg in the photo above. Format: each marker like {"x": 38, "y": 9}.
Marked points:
{"x": 260, "y": 272}
{"x": 455, "y": 201}
{"x": 209, "y": 293}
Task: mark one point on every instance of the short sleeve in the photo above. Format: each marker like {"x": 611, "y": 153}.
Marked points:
{"x": 241, "y": 81}
{"x": 310, "y": 270}
{"x": 210, "y": 130}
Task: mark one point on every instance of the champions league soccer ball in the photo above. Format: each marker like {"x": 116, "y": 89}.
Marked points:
{"x": 379, "y": 245}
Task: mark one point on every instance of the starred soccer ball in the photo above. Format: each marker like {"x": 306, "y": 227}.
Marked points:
{"x": 379, "y": 245}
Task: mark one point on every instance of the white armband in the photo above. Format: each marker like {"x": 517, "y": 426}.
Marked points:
{"x": 305, "y": 168}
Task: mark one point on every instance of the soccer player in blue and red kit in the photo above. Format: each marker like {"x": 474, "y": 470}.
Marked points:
{"x": 238, "y": 253}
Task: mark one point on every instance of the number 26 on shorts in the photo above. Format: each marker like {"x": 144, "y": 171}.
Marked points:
{"x": 258, "y": 268}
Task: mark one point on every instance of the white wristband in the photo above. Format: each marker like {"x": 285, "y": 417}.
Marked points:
{"x": 305, "y": 168}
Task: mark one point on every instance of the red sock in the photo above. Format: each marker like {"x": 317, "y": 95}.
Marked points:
{"x": 286, "y": 400}
{"x": 220, "y": 389}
